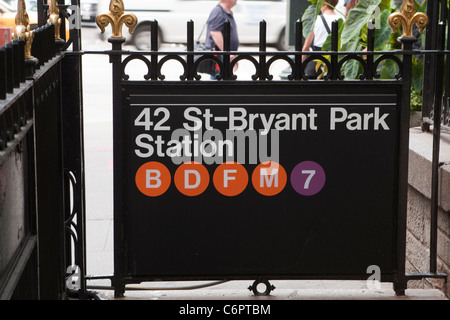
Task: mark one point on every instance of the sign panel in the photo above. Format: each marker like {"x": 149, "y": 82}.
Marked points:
{"x": 244, "y": 184}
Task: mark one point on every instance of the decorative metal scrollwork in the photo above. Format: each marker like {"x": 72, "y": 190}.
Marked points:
{"x": 117, "y": 18}
{"x": 407, "y": 18}
{"x": 136, "y": 57}
{"x": 275, "y": 58}
{"x": 310, "y": 59}
{"x": 388, "y": 57}
{"x": 172, "y": 57}
{"x": 354, "y": 57}
{"x": 54, "y": 18}
{"x": 23, "y": 29}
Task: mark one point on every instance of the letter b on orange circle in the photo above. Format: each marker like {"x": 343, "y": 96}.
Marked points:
{"x": 153, "y": 179}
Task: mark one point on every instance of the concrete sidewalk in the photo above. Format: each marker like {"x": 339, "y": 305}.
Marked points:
{"x": 284, "y": 290}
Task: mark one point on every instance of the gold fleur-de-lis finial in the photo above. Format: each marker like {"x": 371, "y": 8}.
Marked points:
{"x": 54, "y": 18}
{"x": 407, "y": 18}
{"x": 116, "y": 17}
{"x": 22, "y": 29}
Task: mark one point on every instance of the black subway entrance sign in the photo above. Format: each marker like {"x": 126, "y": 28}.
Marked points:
{"x": 224, "y": 180}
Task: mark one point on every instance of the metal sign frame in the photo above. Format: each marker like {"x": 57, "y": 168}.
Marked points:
{"x": 123, "y": 89}
{"x": 177, "y": 257}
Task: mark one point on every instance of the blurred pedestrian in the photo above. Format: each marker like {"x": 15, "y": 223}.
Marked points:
{"x": 215, "y": 29}
{"x": 322, "y": 28}
{"x": 349, "y": 5}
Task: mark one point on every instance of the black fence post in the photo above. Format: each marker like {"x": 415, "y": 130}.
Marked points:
{"x": 262, "y": 48}
{"x": 400, "y": 282}
{"x": 119, "y": 246}
{"x": 437, "y": 112}
{"x": 190, "y": 49}
{"x": 429, "y": 65}
{"x": 3, "y": 73}
{"x": 226, "y": 48}
{"x": 298, "y": 48}
{"x": 154, "y": 49}
{"x": 370, "y": 47}
{"x": 335, "y": 48}
{"x": 9, "y": 68}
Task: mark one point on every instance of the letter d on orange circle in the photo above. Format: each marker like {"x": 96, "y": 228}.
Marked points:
{"x": 153, "y": 179}
{"x": 191, "y": 179}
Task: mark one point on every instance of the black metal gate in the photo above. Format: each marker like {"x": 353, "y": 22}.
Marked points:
{"x": 223, "y": 179}
{"x": 354, "y": 218}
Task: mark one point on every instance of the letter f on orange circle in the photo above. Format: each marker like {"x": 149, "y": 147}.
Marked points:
{"x": 230, "y": 179}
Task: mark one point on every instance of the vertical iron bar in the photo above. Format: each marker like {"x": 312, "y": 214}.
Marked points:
{"x": 119, "y": 246}
{"x": 49, "y": 192}
{"x": 370, "y": 47}
{"x": 444, "y": 11}
{"x": 42, "y": 16}
{"x": 298, "y": 48}
{"x": 72, "y": 106}
{"x": 400, "y": 281}
{"x": 262, "y": 48}
{"x": 3, "y": 73}
{"x": 190, "y": 48}
{"x": 335, "y": 48}
{"x": 445, "y": 109}
{"x": 226, "y": 48}
{"x": 35, "y": 48}
{"x": 436, "y": 150}
{"x": 75, "y": 32}
{"x": 21, "y": 60}
{"x": 429, "y": 65}
{"x": 62, "y": 27}
{"x": 16, "y": 62}
{"x": 9, "y": 68}
{"x": 154, "y": 48}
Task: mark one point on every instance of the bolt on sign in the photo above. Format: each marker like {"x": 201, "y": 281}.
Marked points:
{"x": 226, "y": 180}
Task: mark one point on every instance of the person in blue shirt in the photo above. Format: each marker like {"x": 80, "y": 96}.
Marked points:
{"x": 215, "y": 28}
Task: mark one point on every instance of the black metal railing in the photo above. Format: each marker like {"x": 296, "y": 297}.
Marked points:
{"x": 262, "y": 60}
{"x": 436, "y": 108}
{"x": 34, "y": 115}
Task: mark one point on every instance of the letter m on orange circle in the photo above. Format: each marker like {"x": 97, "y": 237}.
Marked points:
{"x": 269, "y": 178}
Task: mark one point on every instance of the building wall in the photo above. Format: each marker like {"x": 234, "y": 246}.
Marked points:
{"x": 419, "y": 208}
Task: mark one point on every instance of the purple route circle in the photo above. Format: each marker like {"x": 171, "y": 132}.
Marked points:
{"x": 308, "y": 178}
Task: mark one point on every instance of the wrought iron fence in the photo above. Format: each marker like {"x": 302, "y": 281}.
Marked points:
{"x": 435, "y": 109}
{"x": 41, "y": 180}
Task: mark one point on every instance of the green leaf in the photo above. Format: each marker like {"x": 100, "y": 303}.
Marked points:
{"x": 417, "y": 75}
{"x": 388, "y": 69}
{"x": 356, "y": 20}
{"x": 352, "y": 68}
{"x": 383, "y": 33}
{"x": 310, "y": 15}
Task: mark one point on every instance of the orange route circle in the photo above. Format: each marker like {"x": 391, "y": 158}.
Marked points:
{"x": 191, "y": 179}
{"x": 230, "y": 179}
{"x": 269, "y": 178}
{"x": 153, "y": 179}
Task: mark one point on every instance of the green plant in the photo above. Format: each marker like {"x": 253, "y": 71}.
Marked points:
{"x": 353, "y": 37}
